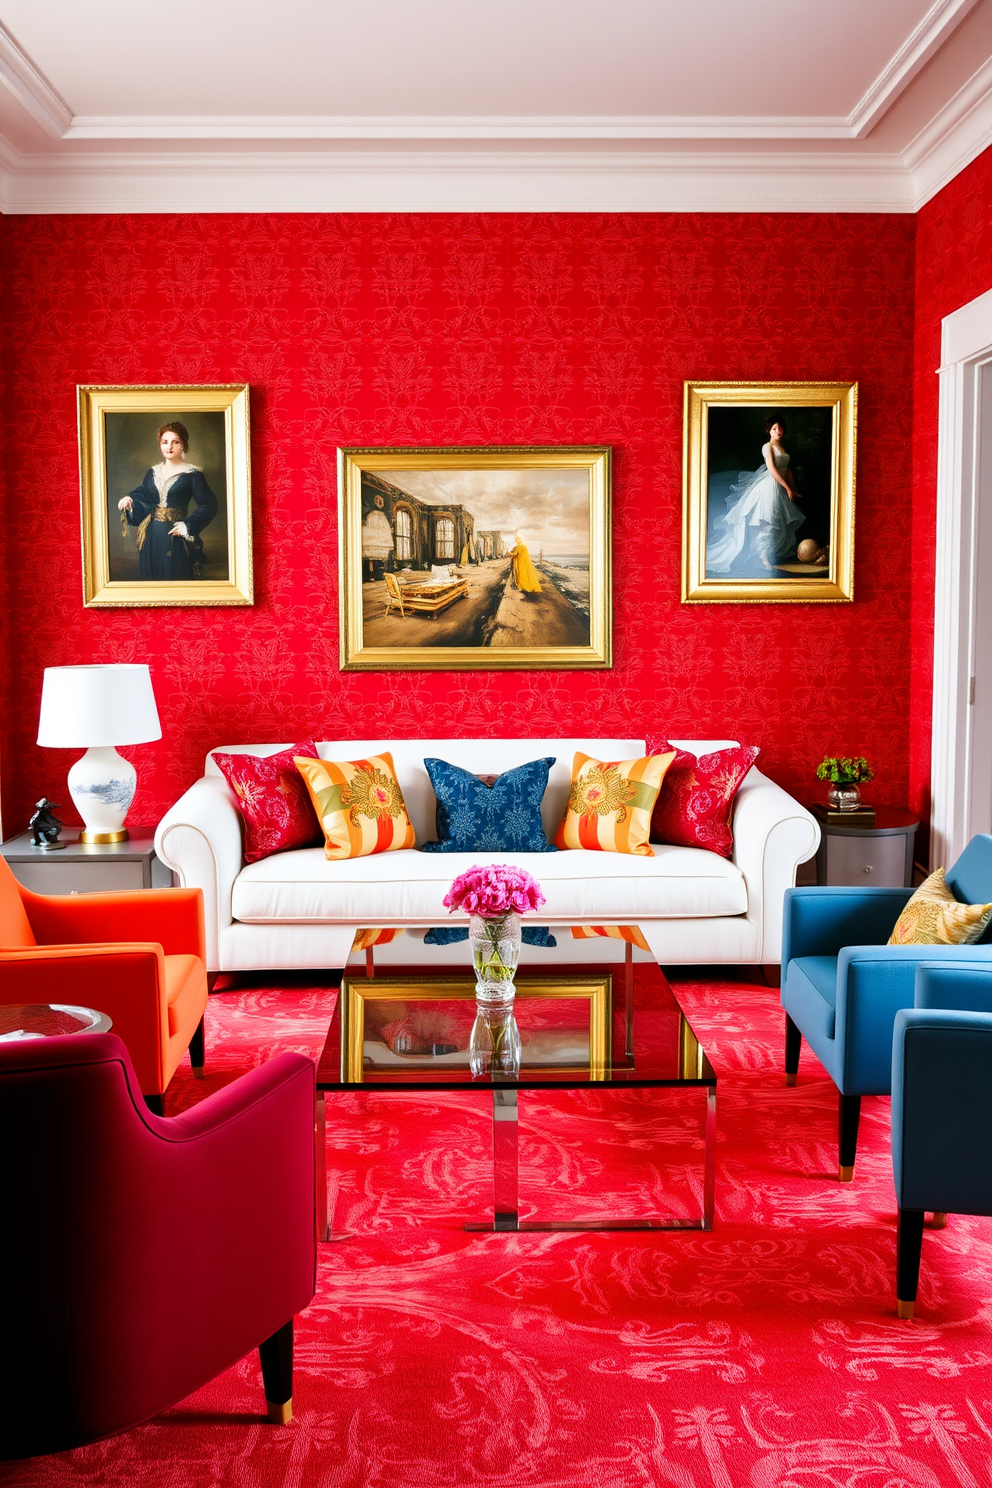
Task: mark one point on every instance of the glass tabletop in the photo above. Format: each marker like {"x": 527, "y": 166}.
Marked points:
{"x": 588, "y": 1025}
{"x": 28, "y": 1020}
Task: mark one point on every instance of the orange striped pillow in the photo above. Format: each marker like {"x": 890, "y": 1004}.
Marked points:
{"x": 359, "y": 805}
{"x": 609, "y": 805}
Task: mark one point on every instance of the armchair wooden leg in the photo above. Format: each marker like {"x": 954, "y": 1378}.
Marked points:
{"x": 197, "y": 1054}
{"x": 939, "y": 1220}
{"x": 276, "y": 1357}
{"x": 909, "y": 1244}
{"x": 793, "y": 1046}
{"x": 848, "y": 1117}
{"x": 155, "y": 1104}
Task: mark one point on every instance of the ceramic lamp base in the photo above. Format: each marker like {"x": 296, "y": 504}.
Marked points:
{"x": 102, "y": 786}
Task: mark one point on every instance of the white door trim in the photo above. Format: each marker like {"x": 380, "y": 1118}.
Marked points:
{"x": 962, "y": 726}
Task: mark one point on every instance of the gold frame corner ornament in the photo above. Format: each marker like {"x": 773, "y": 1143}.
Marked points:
{"x": 698, "y": 398}
{"x": 355, "y": 656}
{"x": 93, "y": 403}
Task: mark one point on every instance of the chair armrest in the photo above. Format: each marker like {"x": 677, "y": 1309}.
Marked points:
{"x": 942, "y": 1110}
{"x": 199, "y": 838}
{"x": 173, "y": 918}
{"x": 127, "y": 982}
{"x": 964, "y": 986}
{"x": 821, "y": 921}
{"x": 225, "y": 1108}
{"x": 873, "y": 984}
{"x": 773, "y": 834}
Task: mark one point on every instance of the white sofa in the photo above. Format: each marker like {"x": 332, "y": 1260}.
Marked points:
{"x": 298, "y": 910}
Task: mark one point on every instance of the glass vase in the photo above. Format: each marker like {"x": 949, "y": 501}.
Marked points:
{"x": 494, "y": 1047}
{"x": 844, "y": 795}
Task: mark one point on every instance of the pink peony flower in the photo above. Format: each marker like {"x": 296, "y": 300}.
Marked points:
{"x": 494, "y": 891}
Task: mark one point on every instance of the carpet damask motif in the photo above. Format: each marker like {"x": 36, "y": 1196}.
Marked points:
{"x": 765, "y": 1353}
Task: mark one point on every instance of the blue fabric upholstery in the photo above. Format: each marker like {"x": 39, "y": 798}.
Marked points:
{"x": 503, "y": 817}
{"x": 965, "y": 989}
{"x": 846, "y": 928}
{"x": 942, "y": 1110}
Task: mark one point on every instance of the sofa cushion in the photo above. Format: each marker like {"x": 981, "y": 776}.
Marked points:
{"x": 474, "y": 815}
{"x": 359, "y": 804}
{"x": 276, "y": 811}
{"x": 696, "y": 798}
{"x": 610, "y": 804}
{"x": 406, "y": 887}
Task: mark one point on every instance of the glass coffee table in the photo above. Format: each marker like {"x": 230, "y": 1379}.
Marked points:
{"x": 608, "y": 1027}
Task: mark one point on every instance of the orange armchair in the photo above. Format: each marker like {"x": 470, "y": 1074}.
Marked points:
{"x": 139, "y": 957}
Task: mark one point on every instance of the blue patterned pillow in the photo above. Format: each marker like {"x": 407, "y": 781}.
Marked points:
{"x": 502, "y": 817}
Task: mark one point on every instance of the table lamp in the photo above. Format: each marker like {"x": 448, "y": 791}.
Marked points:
{"x": 96, "y": 708}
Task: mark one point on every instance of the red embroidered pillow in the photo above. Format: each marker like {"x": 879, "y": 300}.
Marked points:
{"x": 273, "y": 800}
{"x": 697, "y": 796}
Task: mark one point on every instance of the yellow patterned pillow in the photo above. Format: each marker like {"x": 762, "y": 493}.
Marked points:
{"x": 359, "y": 805}
{"x": 610, "y": 805}
{"x": 934, "y": 917}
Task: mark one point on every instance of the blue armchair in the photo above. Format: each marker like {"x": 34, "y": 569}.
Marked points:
{"x": 842, "y": 985}
{"x": 941, "y": 1109}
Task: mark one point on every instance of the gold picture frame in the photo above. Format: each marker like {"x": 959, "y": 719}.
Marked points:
{"x": 358, "y": 992}
{"x": 743, "y": 537}
{"x": 461, "y": 559}
{"x": 133, "y": 555}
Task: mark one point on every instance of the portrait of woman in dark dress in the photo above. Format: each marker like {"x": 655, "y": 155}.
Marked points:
{"x": 169, "y": 510}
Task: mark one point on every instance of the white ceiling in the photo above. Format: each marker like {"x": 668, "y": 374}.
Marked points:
{"x": 858, "y": 105}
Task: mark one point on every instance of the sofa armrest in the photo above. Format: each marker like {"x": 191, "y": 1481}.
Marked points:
{"x": 199, "y": 838}
{"x": 172, "y": 918}
{"x": 963, "y": 986}
{"x": 773, "y": 834}
{"x": 873, "y": 984}
{"x": 821, "y": 921}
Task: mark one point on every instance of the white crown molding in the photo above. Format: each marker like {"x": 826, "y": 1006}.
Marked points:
{"x": 33, "y": 91}
{"x": 375, "y": 128}
{"x": 931, "y": 33}
{"x": 952, "y": 140}
{"x": 456, "y": 181}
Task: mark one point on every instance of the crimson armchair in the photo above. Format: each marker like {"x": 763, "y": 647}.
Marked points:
{"x": 142, "y": 1256}
{"x": 139, "y": 957}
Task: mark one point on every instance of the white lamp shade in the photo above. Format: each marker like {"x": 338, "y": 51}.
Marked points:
{"x": 87, "y": 706}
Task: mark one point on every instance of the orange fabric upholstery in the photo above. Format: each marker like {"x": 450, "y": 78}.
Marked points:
{"x": 138, "y": 956}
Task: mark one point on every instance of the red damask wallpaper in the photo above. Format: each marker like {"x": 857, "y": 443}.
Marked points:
{"x": 953, "y": 266}
{"x": 446, "y": 330}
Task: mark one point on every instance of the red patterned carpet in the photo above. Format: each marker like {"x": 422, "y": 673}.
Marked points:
{"x": 765, "y": 1353}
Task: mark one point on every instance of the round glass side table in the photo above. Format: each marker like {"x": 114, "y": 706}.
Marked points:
{"x": 31, "y": 1020}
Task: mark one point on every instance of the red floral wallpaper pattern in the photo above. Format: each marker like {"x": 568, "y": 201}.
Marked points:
{"x": 445, "y": 329}
{"x": 953, "y": 266}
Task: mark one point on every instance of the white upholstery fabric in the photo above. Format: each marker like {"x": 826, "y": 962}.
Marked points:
{"x": 692, "y": 906}
{"x": 406, "y": 888}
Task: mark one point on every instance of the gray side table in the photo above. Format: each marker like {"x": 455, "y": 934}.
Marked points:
{"x": 87, "y": 868}
{"x": 880, "y": 855}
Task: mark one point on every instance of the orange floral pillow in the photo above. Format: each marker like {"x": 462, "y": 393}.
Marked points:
{"x": 359, "y": 805}
{"x": 609, "y": 805}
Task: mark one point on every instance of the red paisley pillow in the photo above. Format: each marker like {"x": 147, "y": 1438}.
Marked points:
{"x": 696, "y": 799}
{"x": 274, "y": 802}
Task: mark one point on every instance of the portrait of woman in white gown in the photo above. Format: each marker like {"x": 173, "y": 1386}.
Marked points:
{"x": 757, "y": 530}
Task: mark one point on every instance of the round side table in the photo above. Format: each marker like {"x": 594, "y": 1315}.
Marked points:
{"x": 881, "y": 854}
{"x": 31, "y": 1020}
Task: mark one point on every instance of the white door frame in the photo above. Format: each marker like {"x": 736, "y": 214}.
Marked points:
{"x": 961, "y": 775}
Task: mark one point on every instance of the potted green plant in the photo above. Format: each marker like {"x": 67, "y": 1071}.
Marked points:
{"x": 846, "y": 775}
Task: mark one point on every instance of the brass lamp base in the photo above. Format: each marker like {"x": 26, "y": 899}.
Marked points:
{"x": 99, "y": 838}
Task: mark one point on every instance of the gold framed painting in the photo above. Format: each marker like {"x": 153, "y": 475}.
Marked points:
{"x": 165, "y": 485}
{"x": 474, "y": 559}
{"x": 422, "y": 1025}
{"x": 768, "y": 491}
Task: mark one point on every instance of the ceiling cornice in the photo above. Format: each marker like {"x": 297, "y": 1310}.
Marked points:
{"x": 452, "y": 164}
{"x": 33, "y": 92}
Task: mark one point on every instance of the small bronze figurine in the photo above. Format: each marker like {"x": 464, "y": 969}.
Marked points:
{"x": 45, "y": 827}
